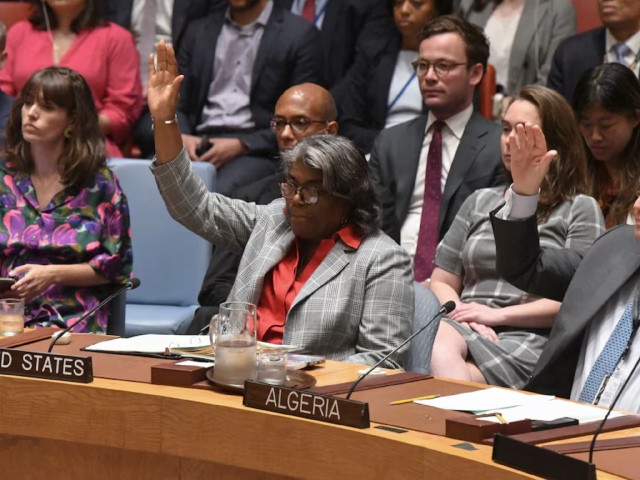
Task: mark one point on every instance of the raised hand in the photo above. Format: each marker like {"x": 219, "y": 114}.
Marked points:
{"x": 530, "y": 158}
{"x": 164, "y": 83}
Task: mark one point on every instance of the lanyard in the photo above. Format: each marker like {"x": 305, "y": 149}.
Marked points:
{"x": 401, "y": 92}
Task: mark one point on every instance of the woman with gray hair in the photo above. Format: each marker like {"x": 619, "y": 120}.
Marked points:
{"x": 323, "y": 275}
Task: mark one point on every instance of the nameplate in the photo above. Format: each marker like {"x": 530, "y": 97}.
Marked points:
{"x": 305, "y": 404}
{"x": 52, "y": 366}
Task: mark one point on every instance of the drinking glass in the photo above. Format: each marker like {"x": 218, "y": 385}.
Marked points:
{"x": 234, "y": 339}
{"x": 272, "y": 367}
{"x": 11, "y": 316}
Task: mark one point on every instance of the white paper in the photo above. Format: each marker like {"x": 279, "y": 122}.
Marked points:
{"x": 552, "y": 410}
{"x": 151, "y": 343}
{"x": 193, "y": 363}
{"x": 485, "y": 399}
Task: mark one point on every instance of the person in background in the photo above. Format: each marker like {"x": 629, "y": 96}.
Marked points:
{"x": 618, "y": 41}
{"x": 523, "y": 36}
{"x": 65, "y": 222}
{"x": 382, "y": 89}
{"x": 302, "y": 110}
{"x": 607, "y": 104}
{"x": 421, "y": 188}
{"x": 151, "y": 21}
{"x": 322, "y": 274}
{"x": 71, "y": 34}
{"x": 5, "y": 100}
{"x": 497, "y": 332}
{"x": 347, "y": 29}
{"x": 237, "y": 62}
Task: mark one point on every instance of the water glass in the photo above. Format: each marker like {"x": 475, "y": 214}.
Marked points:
{"x": 234, "y": 340}
{"x": 11, "y": 316}
{"x": 272, "y": 367}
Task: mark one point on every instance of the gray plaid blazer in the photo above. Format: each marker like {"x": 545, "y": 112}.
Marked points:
{"x": 357, "y": 306}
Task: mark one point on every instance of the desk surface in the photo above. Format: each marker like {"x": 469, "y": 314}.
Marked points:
{"x": 119, "y": 429}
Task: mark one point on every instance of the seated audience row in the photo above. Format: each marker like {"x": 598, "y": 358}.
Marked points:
{"x": 72, "y": 34}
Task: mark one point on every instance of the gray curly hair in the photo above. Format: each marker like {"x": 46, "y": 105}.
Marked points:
{"x": 344, "y": 173}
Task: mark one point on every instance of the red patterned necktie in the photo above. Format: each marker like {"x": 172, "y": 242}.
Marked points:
{"x": 309, "y": 10}
{"x": 428, "y": 236}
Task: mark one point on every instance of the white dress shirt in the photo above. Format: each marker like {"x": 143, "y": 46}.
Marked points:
{"x": 631, "y": 59}
{"x": 451, "y": 136}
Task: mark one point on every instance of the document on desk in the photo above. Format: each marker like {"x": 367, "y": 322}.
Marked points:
{"x": 554, "y": 409}
{"x": 150, "y": 343}
{"x": 486, "y": 400}
{"x": 514, "y": 405}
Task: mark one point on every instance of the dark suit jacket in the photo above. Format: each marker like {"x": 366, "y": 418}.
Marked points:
{"x": 573, "y": 57}
{"x": 583, "y": 285}
{"x": 394, "y": 163}
{"x": 349, "y": 25}
{"x": 288, "y": 55}
{"x": 119, "y": 11}
{"x": 362, "y": 99}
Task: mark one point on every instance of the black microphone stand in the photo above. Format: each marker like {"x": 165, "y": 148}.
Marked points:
{"x": 448, "y": 307}
{"x": 130, "y": 285}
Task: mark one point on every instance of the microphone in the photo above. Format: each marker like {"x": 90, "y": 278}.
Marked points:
{"x": 448, "y": 307}
{"x": 606, "y": 417}
{"x": 131, "y": 284}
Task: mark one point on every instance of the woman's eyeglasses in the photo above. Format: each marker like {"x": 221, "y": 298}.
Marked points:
{"x": 308, "y": 195}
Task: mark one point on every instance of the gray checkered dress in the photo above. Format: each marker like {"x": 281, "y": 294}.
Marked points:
{"x": 468, "y": 250}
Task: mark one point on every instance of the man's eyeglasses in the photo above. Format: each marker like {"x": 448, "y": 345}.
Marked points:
{"x": 441, "y": 68}
{"x": 299, "y": 125}
{"x": 308, "y": 195}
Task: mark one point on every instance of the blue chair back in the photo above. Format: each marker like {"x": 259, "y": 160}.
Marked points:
{"x": 169, "y": 260}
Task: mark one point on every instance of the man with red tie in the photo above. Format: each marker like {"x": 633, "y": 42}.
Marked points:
{"x": 427, "y": 167}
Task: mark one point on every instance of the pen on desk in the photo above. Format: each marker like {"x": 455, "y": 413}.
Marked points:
{"x": 409, "y": 400}
{"x": 501, "y": 418}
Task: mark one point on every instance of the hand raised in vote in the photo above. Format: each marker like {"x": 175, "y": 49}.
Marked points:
{"x": 164, "y": 83}
{"x": 530, "y": 158}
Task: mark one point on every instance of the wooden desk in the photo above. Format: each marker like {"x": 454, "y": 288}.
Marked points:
{"x": 119, "y": 430}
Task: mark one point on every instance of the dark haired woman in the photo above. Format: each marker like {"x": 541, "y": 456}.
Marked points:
{"x": 323, "y": 275}
{"x": 65, "y": 222}
{"x": 607, "y": 105}
{"x": 70, "y": 33}
{"x": 497, "y": 332}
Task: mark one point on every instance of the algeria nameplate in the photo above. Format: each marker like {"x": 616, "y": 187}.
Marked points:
{"x": 306, "y": 404}
{"x": 52, "y": 366}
